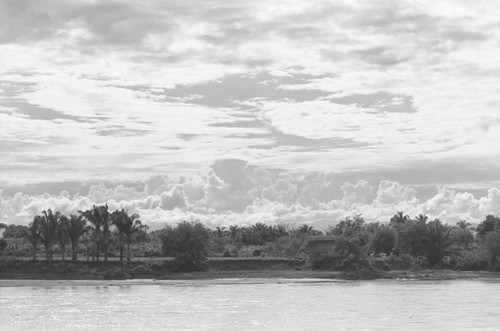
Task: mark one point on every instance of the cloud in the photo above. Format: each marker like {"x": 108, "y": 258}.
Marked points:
{"x": 118, "y": 91}
{"x": 248, "y": 194}
{"x": 490, "y": 204}
{"x": 361, "y": 192}
{"x": 173, "y": 199}
{"x": 393, "y": 193}
{"x": 450, "y": 206}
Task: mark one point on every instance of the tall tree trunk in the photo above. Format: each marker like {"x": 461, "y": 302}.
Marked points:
{"x": 128, "y": 249}
{"x": 105, "y": 250}
{"x": 121, "y": 248}
{"x": 74, "y": 247}
{"x": 97, "y": 251}
{"x": 35, "y": 249}
{"x": 63, "y": 249}
{"x": 46, "y": 252}
{"x": 105, "y": 247}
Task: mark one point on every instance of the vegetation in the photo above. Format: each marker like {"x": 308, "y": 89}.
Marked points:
{"x": 98, "y": 232}
{"x": 127, "y": 226}
{"x": 188, "y": 243}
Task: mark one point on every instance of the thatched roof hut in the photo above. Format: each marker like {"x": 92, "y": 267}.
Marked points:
{"x": 318, "y": 245}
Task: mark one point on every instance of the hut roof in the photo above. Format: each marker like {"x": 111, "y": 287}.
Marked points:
{"x": 318, "y": 244}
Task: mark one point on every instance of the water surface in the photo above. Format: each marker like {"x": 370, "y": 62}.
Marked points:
{"x": 256, "y": 305}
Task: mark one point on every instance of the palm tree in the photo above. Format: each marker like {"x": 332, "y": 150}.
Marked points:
{"x": 305, "y": 229}
{"x": 280, "y": 230}
{"x": 127, "y": 226}
{"x": 47, "y": 226}
{"x": 464, "y": 225}
{"x": 220, "y": 231}
{"x": 106, "y": 233}
{"x": 95, "y": 217}
{"x": 233, "y": 233}
{"x": 439, "y": 241}
{"x": 465, "y": 236}
{"x": 398, "y": 218}
{"x": 77, "y": 228}
{"x": 63, "y": 235}
{"x": 421, "y": 218}
{"x": 32, "y": 234}
{"x": 118, "y": 220}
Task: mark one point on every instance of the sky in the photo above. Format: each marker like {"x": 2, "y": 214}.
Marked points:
{"x": 237, "y": 112}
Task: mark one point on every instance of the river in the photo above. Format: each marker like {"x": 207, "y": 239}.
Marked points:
{"x": 255, "y": 305}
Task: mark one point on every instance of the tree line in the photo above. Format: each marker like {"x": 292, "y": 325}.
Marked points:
{"x": 432, "y": 243}
{"x": 98, "y": 224}
{"x": 429, "y": 243}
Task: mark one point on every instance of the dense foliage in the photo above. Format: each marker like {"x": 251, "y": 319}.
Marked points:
{"x": 188, "y": 243}
{"x": 97, "y": 232}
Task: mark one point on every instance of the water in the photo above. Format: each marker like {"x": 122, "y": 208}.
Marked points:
{"x": 255, "y": 305}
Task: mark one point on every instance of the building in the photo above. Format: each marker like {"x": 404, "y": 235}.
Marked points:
{"x": 314, "y": 247}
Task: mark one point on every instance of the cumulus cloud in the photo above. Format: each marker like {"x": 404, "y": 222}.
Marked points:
{"x": 251, "y": 194}
{"x": 173, "y": 199}
{"x": 361, "y": 192}
{"x": 491, "y": 202}
{"x": 448, "y": 205}
{"x": 394, "y": 193}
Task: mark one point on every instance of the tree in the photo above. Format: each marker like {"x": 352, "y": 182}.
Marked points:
{"x": 352, "y": 254}
{"x": 487, "y": 225}
{"x": 234, "y": 232}
{"x": 118, "y": 220}
{"x": 352, "y": 229}
{"x": 106, "y": 233}
{"x": 398, "y": 218}
{"x": 349, "y": 228}
{"x": 32, "y": 234}
{"x": 280, "y": 230}
{"x": 63, "y": 235}
{"x": 3, "y": 245}
{"x": 77, "y": 228}
{"x": 47, "y": 226}
{"x": 307, "y": 230}
{"x": 463, "y": 234}
{"x": 13, "y": 231}
{"x": 384, "y": 239}
{"x": 3, "y": 242}
{"x": 127, "y": 227}
{"x": 491, "y": 242}
{"x": 97, "y": 217}
{"x": 188, "y": 243}
{"x": 421, "y": 218}
{"x": 440, "y": 243}
{"x": 220, "y": 231}
{"x": 412, "y": 237}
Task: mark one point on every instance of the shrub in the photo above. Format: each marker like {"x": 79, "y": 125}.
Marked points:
{"x": 188, "y": 243}
{"x": 474, "y": 260}
{"x": 419, "y": 263}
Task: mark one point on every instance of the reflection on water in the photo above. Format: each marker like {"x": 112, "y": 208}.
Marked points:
{"x": 269, "y": 305}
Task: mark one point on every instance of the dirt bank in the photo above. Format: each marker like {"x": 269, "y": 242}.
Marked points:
{"x": 81, "y": 271}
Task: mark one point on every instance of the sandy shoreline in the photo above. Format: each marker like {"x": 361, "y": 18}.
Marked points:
{"x": 257, "y": 277}
{"x": 141, "y": 282}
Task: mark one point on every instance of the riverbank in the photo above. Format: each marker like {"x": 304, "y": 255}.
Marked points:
{"x": 254, "y": 277}
{"x": 38, "y": 273}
